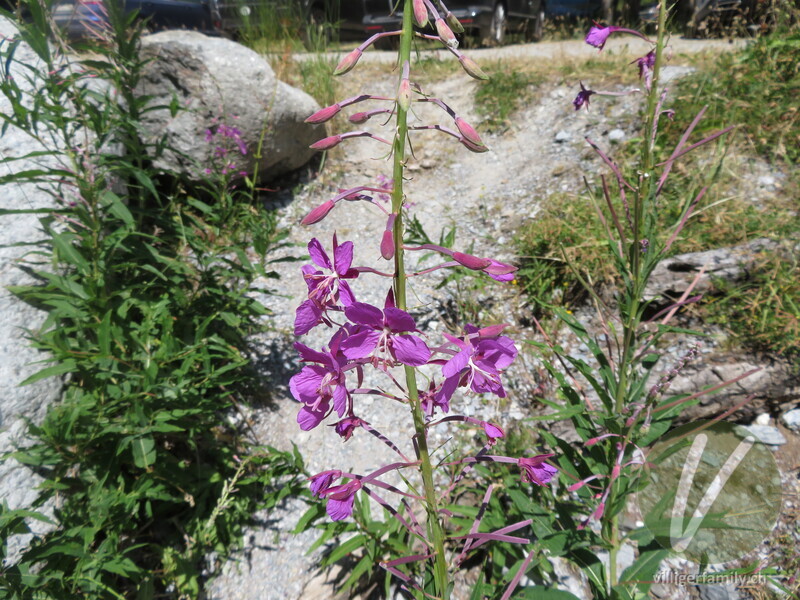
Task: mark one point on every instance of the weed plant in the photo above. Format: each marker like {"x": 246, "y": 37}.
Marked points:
{"x": 566, "y": 243}
{"x": 146, "y": 461}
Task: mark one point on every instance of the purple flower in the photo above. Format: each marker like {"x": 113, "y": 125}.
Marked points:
{"x": 347, "y": 426}
{"x": 322, "y": 481}
{"x": 535, "y": 470}
{"x": 438, "y": 396}
{"x": 380, "y": 336}
{"x": 582, "y": 98}
{"x": 598, "y": 36}
{"x": 317, "y": 384}
{"x": 483, "y": 354}
{"x": 493, "y": 432}
{"x": 646, "y": 65}
{"x": 325, "y": 291}
{"x": 340, "y": 499}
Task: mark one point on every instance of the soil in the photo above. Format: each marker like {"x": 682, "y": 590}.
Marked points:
{"x": 486, "y": 197}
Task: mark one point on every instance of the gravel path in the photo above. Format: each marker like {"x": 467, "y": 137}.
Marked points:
{"x": 486, "y": 197}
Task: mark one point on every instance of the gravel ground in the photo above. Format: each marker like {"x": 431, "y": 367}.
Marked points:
{"x": 487, "y": 197}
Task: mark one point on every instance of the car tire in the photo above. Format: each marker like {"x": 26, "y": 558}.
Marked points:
{"x": 534, "y": 28}
{"x": 495, "y": 33}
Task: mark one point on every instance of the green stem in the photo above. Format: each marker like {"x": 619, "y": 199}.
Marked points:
{"x": 434, "y": 526}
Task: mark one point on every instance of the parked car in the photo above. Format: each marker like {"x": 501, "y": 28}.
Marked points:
{"x": 81, "y": 19}
{"x": 490, "y": 20}
{"x": 693, "y": 13}
{"x": 573, "y": 8}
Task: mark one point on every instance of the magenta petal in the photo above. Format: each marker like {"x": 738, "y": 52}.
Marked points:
{"x": 340, "y": 400}
{"x": 454, "y": 366}
{"x": 410, "y": 350}
{"x": 318, "y": 255}
{"x": 304, "y": 385}
{"x": 442, "y": 397}
{"x": 343, "y": 258}
{"x": 346, "y": 294}
{"x": 361, "y": 344}
{"x": 308, "y": 419}
{"x": 339, "y": 510}
{"x": 309, "y": 355}
{"x": 306, "y": 317}
{"x": 365, "y": 314}
{"x": 399, "y": 320}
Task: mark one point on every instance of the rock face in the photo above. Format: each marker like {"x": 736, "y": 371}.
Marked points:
{"x": 17, "y": 357}
{"x": 222, "y": 83}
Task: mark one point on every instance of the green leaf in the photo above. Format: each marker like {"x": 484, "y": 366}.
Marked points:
{"x": 143, "y": 449}
{"x": 346, "y": 548}
{"x": 67, "y": 366}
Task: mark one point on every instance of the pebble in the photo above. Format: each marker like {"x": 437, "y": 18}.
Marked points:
{"x": 718, "y": 592}
{"x": 767, "y": 181}
{"x": 615, "y": 136}
{"x": 792, "y": 419}
{"x": 762, "y": 419}
{"x": 563, "y": 136}
{"x": 766, "y": 434}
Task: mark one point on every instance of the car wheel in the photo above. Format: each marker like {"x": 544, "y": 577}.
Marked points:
{"x": 534, "y": 28}
{"x": 495, "y": 34}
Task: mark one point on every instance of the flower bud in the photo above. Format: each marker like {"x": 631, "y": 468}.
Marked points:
{"x": 420, "y": 13}
{"x": 454, "y": 23}
{"x": 471, "y": 262}
{"x": 359, "y": 117}
{"x": 445, "y": 33}
{"x": 324, "y": 114}
{"x": 472, "y": 69}
{"x": 319, "y": 213}
{"x": 327, "y": 143}
{"x": 472, "y": 147}
{"x": 468, "y": 131}
{"x": 348, "y": 62}
{"x": 387, "y": 245}
{"x": 404, "y": 94}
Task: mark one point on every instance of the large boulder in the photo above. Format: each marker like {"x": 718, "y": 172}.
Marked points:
{"x": 19, "y": 234}
{"x": 223, "y": 84}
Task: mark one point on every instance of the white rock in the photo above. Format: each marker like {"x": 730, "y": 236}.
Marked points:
{"x": 616, "y": 135}
{"x": 766, "y": 434}
{"x": 792, "y": 419}
{"x": 762, "y": 419}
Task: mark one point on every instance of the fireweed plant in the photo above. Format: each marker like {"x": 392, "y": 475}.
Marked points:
{"x": 618, "y": 404}
{"x": 386, "y": 337}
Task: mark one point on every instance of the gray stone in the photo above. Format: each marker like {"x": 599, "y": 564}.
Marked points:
{"x": 616, "y": 135}
{"x": 718, "y": 592}
{"x": 673, "y": 276}
{"x": 563, "y": 136}
{"x": 767, "y": 181}
{"x": 762, "y": 419}
{"x": 792, "y": 419}
{"x": 673, "y": 72}
{"x": 766, "y": 434}
{"x": 222, "y": 82}
{"x": 18, "y": 360}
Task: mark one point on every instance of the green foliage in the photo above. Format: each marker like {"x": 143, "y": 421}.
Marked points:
{"x": 146, "y": 290}
{"x": 756, "y": 89}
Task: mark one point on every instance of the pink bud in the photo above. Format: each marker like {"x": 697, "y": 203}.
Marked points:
{"x": 454, "y": 23}
{"x": 319, "y": 213}
{"x": 498, "y": 268}
{"x": 491, "y": 331}
{"x": 615, "y": 472}
{"x": 404, "y": 94}
{"x": 420, "y": 13}
{"x": 348, "y": 62}
{"x": 468, "y": 131}
{"x": 493, "y": 431}
{"x": 576, "y": 486}
{"x": 445, "y": 33}
{"x": 387, "y": 245}
{"x": 472, "y": 69}
{"x": 324, "y": 114}
{"x": 327, "y": 143}
{"x": 471, "y": 262}
{"x": 472, "y": 147}
{"x": 359, "y": 117}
